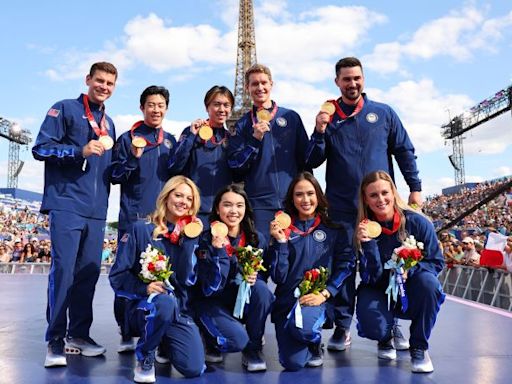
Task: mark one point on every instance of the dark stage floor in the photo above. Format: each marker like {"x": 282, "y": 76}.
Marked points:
{"x": 470, "y": 344}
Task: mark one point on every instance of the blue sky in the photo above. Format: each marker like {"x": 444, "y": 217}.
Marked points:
{"x": 428, "y": 60}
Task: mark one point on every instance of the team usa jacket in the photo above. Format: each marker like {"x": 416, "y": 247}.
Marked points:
{"x": 323, "y": 247}
{"x": 267, "y": 167}
{"x": 358, "y": 145}
{"x": 71, "y": 182}
{"x": 204, "y": 162}
{"x": 141, "y": 179}
{"x": 376, "y": 252}
{"x": 124, "y": 275}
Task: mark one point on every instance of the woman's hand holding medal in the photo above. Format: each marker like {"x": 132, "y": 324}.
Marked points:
{"x": 277, "y": 226}
{"x": 219, "y": 232}
{"x": 368, "y": 230}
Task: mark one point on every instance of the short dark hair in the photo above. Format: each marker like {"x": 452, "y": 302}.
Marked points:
{"x": 103, "y": 66}
{"x": 218, "y": 90}
{"x": 348, "y": 62}
{"x": 154, "y": 90}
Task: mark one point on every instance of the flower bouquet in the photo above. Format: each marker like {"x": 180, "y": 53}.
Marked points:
{"x": 403, "y": 258}
{"x": 155, "y": 266}
{"x": 250, "y": 260}
{"x": 314, "y": 281}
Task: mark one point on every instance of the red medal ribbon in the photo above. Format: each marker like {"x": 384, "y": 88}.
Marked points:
{"x": 230, "y": 249}
{"x": 174, "y": 236}
{"x": 92, "y": 122}
{"x": 342, "y": 114}
{"x": 272, "y": 114}
{"x": 396, "y": 225}
{"x": 294, "y": 229}
{"x": 148, "y": 143}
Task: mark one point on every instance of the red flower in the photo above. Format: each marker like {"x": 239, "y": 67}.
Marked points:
{"x": 151, "y": 267}
{"x": 307, "y": 275}
{"x": 315, "y": 273}
{"x": 416, "y": 254}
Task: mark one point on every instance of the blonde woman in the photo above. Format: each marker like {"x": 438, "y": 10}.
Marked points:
{"x": 157, "y": 312}
{"x": 379, "y": 201}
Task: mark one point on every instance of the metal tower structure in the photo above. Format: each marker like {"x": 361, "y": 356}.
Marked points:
{"x": 484, "y": 111}
{"x": 246, "y": 56}
{"x": 17, "y": 137}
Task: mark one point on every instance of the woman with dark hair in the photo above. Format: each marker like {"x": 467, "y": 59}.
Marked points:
{"x": 311, "y": 241}
{"x": 158, "y": 311}
{"x": 218, "y": 268}
{"x": 201, "y": 150}
{"x": 29, "y": 254}
{"x": 421, "y": 296}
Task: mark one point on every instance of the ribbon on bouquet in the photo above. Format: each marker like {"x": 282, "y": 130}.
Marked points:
{"x": 243, "y": 296}
{"x": 297, "y": 310}
{"x": 396, "y": 283}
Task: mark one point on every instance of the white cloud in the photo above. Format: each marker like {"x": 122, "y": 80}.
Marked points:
{"x": 502, "y": 171}
{"x": 459, "y": 35}
{"x": 422, "y": 110}
{"x": 490, "y": 138}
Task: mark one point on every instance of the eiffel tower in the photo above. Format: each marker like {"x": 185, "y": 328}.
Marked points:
{"x": 246, "y": 56}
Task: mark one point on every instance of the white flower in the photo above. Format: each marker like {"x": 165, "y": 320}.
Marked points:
{"x": 420, "y": 245}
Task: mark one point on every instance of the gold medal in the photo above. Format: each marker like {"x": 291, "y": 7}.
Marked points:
{"x": 138, "y": 142}
{"x": 373, "y": 228}
{"x": 263, "y": 115}
{"x": 205, "y": 132}
{"x": 283, "y": 220}
{"x": 328, "y": 107}
{"x": 219, "y": 229}
{"x": 193, "y": 229}
{"x": 106, "y": 141}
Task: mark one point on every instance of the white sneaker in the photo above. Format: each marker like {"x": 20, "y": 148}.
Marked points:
{"x": 386, "y": 351}
{"x": 144, "y": 371}
{"x": 420, "y": 361}
{"x": 399, "y": 340}
{"x": 55, "y": 356}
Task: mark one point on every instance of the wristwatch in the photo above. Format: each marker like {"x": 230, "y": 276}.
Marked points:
{"x": 325, "y": 293}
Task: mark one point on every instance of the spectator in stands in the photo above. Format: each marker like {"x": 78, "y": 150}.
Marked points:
{"x": 44, "y": 255}
{"x": 34, "y": 241}
{"x": 106, "y": 253}
{"x": 471, "y": 256}
{"x": 29, "y": 254}
{"x": 5, "y": 254}
{"x": 17, "y": 251}
{"x": 507, "y": 255}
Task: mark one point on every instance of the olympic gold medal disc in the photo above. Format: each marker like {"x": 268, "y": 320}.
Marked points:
{"x": 283, "y": 220}
{"x": 138, "y": 142}
{"x": 205, "y": 132}
{"x": 373, "y": 228}
{"x": 193, "y": 229}
{"x": 328, "y": 107}
{"x": 107, "y": 142}
{"x": 263, "y": 115}
{"x": 219, "y": 229}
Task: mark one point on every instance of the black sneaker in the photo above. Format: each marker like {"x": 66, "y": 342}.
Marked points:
{"x": 85, "y": 346}
{"x": 385, "y": 350}
{"x": 55, "y": 356}
{"x": 317, "y": 355}
{"x": 420, "y": 361}
{"x": 254, "y": 361}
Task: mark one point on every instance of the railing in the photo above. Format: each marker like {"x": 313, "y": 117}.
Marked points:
{"x": 38, "y": 268}
{"x": 483, "y": 285}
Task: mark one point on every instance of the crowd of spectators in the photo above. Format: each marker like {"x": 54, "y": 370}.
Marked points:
{"x": 464, "y": 242}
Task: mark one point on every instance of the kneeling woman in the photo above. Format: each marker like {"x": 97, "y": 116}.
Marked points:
{"x": 310, "y": 242}
{"x": 158, "y": 311}
{"x": 218, "y": 268}
{"x": 381, "y": 272}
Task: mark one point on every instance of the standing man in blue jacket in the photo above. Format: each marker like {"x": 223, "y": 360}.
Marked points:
{"x": 141, "y": 170}
{"x": 359, "y": 137}
{"x": 267, "y": 149}
{"x": 74, "y": 142}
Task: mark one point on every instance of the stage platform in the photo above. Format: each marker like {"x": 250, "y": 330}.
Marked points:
{"x": 471, "y": 343}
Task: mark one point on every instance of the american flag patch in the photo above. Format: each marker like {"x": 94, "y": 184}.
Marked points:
{"x": 53, "y": 112}
{"x": 125, "y": 237}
